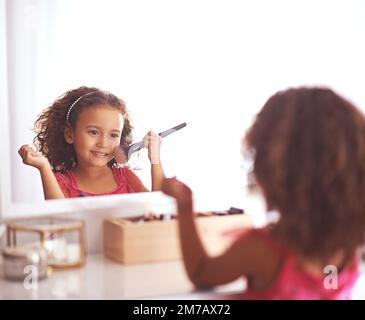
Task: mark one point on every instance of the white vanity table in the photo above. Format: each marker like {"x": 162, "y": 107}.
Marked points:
{"x": 102, "y": 278}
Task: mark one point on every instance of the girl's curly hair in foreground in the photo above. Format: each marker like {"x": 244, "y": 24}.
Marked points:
{"x": 50, "y": 124}
{"x": 308, "y": 149}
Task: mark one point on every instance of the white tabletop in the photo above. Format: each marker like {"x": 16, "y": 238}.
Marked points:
{"x": 101, "y": 278}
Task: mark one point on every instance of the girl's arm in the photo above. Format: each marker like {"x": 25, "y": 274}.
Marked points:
{"x": 241, "y": 259}
{"x": 157, "y": 175}
{"x": 153, "y": 143}
{"x": 51, "y": 188}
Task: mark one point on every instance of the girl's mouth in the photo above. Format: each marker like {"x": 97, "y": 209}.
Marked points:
{"x": 99, "y": 154}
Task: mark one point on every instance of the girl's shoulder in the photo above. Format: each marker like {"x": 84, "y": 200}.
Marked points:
{"x": 66, "y": 184}
{"x": 267, "y": 235}
{"x": 263, "y": 237}
{"x": 62, "y": 177}
{"x": 125, "y": 175}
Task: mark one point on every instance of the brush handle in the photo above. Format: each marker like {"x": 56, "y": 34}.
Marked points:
{"x": 140, "y": 145}
{"x": 163, "y": 134}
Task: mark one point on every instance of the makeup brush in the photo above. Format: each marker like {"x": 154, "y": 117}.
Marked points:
{"x": 129, "y": 150}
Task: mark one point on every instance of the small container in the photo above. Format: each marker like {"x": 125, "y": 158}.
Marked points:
{"x": 62, "y": 239}
{"x": 19, "y": 261}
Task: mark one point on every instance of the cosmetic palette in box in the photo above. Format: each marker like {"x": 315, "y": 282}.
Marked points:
{"x": 153, "y": 239}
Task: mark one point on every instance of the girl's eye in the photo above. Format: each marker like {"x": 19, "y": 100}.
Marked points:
{"x": 93, "y": 132}
{"x": 115, "y": 135}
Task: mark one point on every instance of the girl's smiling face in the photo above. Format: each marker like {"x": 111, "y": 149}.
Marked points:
{"x": 97, "y": 135}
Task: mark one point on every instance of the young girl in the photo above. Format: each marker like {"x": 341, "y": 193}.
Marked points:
{"x": 308, "y": 147}
{"x": 79, "y": 137}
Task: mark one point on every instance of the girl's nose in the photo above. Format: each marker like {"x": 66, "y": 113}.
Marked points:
{"x": 102, "y": 141}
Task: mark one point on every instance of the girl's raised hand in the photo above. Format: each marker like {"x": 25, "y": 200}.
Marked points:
{"x": 119, "y": 155}
{"x": 152, "y": 141}
{"x": 178, "y": 190}
{"x": 32, "y": 158}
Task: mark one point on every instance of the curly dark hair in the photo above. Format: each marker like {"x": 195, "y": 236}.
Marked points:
{"x": 308, "y": 150}
{"x": 50, "y": 124}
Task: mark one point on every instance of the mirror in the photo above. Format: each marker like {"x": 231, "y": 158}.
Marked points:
{"x": 209, "y": 64}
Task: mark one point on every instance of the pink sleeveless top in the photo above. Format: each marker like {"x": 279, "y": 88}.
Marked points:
{"x": 295, "y": 284}
{"x": 126, "y": 180}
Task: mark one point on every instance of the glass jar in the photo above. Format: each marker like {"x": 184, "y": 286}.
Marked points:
{"x": 63, "y": 239}
{"x": 23, "y": 261}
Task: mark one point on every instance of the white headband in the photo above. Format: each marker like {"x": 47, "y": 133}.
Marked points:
{"x": 72, "y": 105}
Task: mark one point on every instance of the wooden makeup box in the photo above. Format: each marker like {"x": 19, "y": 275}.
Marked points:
{"x": 146, "y": 239}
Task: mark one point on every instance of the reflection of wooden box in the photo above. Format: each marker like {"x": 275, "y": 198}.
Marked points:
{"x": 129, "y": 241}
